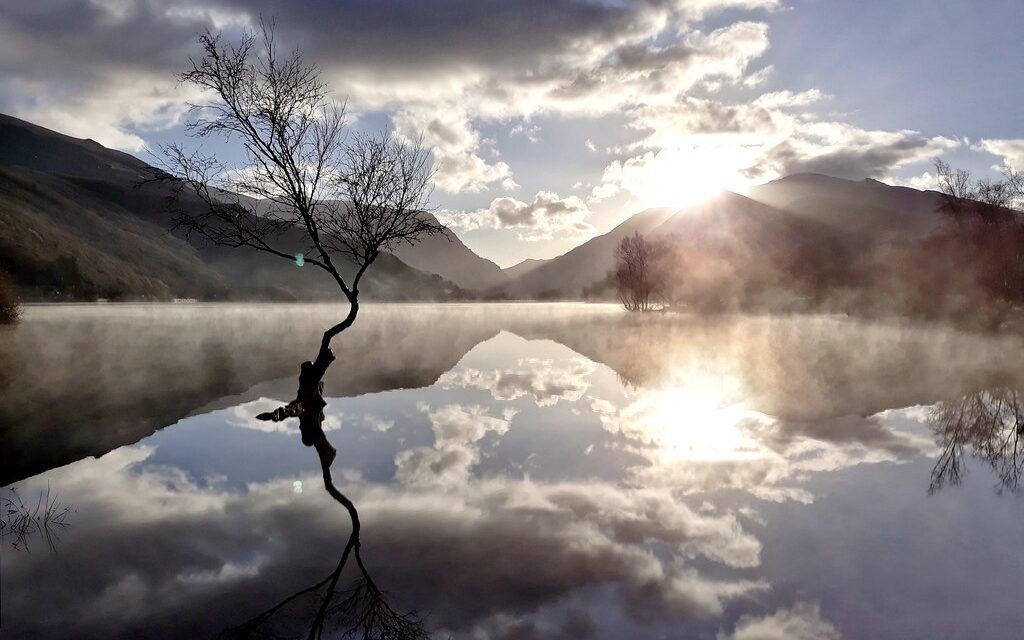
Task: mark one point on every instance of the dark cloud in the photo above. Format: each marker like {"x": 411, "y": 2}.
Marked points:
{"x": 858, "y": 158}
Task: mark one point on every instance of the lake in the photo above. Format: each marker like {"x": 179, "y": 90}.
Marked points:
{"x": 521, "y": 471}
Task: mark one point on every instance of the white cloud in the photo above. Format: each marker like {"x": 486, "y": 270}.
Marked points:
{"x": 759, "y": 77}
{"x": 1011, "y": 151}
{"x": 923, "y": 181}
{"x": 549, "y": 215}
{"x": 456, "y": 147}
{"x": 802, "y": 622}
{"x": 244, "y": 416}
{"x": 546, "y": 381}
{"x": 457, "y": 429}
{"x": 692, "y": 147}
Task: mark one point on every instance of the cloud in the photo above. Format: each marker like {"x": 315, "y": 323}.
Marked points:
{"x": 845, "y": 151}
{"x": 107, "y": 68}
{"x": 529, "y": 131}
{"x": 549, "y": 215}
{"x": 244, "y": 416}
{"x": 1012, "y": 151}
{"x": 545, "y": 380}
{"x": 515, "y": 545}
{"x": 456, "y": 146}
{"x": 457, "y": 429}
{"x": 780, "y": 99}
{"x": 924, "y": 181}
{"x": 802, "y": 622}
{"x": 759, "y": 77}
{"x": 100, "y": 69}
{"x": 692, "y": 146}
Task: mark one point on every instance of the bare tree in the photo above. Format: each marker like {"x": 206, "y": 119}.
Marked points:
{"x": 990, "y": 423}
{"x": 640, "y": 272}
{"x": 363, "y": 610}
{"x": 963, "y": 195}
{"x": 347, "y": 197}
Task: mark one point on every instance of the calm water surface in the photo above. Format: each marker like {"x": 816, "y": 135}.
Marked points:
{"x": 522, "y": 471}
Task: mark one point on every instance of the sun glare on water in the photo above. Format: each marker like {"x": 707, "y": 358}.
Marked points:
{"x": 686, "y": 423}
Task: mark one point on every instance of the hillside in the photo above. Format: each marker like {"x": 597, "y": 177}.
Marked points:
{"x": 448, "y": 257}
{"x": 522, "y": 268}
{"x": 76, "y": 224}
{"x": 812, "y": 219}
{"x": 569, "y": 274}
{"x": 864, "y": 207}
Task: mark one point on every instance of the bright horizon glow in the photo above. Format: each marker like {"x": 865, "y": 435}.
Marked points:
{"x": 679, "y": 178}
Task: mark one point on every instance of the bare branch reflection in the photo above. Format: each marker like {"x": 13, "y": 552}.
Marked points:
{"x": 989, "y": 424}
{"x": 361, "y": 611}
{"x": 22, "y": 521}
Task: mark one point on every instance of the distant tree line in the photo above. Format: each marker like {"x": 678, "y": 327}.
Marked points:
{"x": 969, "y": 269}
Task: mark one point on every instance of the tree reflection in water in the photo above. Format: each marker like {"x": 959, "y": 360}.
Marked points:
{"x": 990, "y": 425}
{"x": 22, "y": 521}
{"x": 361, "y": 611}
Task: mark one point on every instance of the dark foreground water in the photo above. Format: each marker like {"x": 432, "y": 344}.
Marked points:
{"x": 522, "y": 471}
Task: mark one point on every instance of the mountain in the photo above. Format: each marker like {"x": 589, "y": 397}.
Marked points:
{"x": 448, "y": 257}
{"x": 75, "y": 223}
{"x": 791, "y": 219}
{"x": 816, "y": 243}
{"x": 524, "y": 267}
{"x": 862, "y": 207}
{"x": 570, "y": 273}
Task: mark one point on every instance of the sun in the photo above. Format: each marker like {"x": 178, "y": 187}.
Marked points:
{"x": 681, "y": 177}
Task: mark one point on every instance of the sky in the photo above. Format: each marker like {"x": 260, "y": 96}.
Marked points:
{"x": 554, "y": 120}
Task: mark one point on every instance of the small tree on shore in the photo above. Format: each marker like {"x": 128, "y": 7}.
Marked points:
{"x": 640, "y": 272}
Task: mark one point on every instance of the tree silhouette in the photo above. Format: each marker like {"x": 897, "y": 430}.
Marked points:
{"x": 362, "y": 611}
{"x": 989, "y": 424}
{"x": 344, "y": 197}
{"x": 640, "y": 273}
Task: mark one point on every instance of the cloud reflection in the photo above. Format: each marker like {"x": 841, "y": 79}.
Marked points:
{"x": 483, "y": 552}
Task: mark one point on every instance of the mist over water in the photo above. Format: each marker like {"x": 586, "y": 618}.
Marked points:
{"x": 522, "y": 471}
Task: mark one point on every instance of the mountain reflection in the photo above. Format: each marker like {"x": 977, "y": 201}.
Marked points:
{"x": 990, "y": 425}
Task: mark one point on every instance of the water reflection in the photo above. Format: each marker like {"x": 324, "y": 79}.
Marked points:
{"x": 987, "y": 423}
{"x": 40, "y": 519}
{"x": 532, "y": 489}
{"x": 362, "y": 610}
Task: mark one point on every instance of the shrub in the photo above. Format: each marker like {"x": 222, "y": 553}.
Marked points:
{"x": 9, "y": 310}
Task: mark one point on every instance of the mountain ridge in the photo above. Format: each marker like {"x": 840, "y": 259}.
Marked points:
{"x": 75, "y": 223}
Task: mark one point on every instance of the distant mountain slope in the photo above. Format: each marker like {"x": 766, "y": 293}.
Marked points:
{"x": 448, "y": 257}
{"x": 75, "y": 224}
{"x": 522, "y": 268}
{"x": 62, "y": 240}
{"x": 800, "y": 217}
{"x": 866, "y": 207}
{"x": 570, "y": 273}
{"x": 27, "y": 145}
